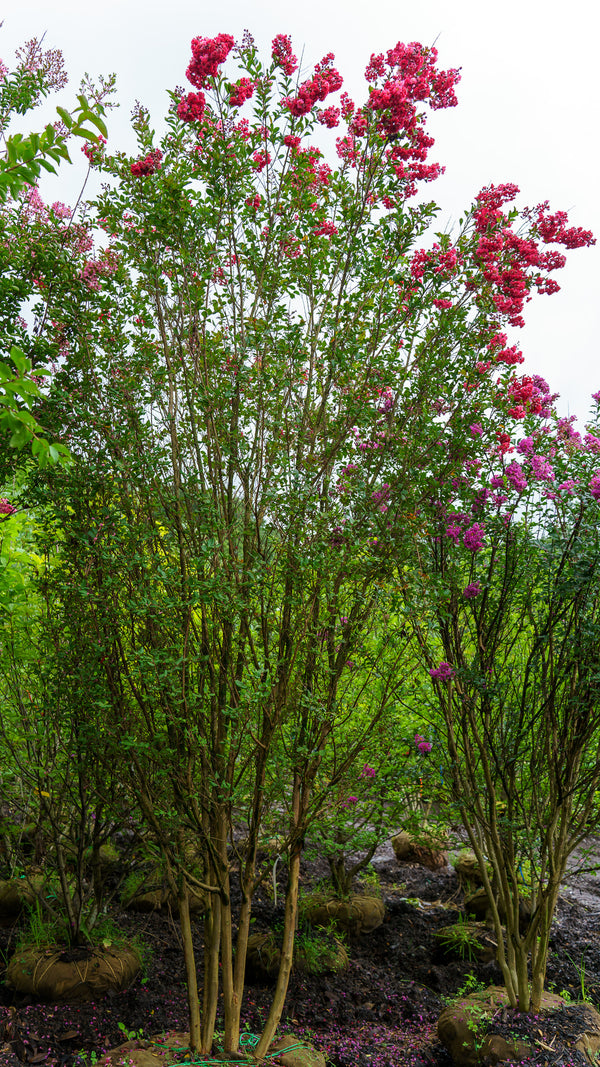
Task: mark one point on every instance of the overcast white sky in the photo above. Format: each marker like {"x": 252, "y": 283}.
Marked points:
{"x": 528, "y": 109}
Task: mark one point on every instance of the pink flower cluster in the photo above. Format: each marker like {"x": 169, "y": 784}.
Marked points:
{"x": 530, "y": 395}
{"x": 291, "y": 141}
{"x": 368, "y": 772}
{"x": 421, "y": 744}
{"x": 330, "y": 117}
{"x": 516, "y": 476}
{"x": 380, "y": 497}
{"x": 595, "y": 486}
{"x": 442, "y": 263}
{"x": 443, "y": 673}
{"x": 325, "y": 80}
{"x": 325, "y": 229}
{"x": 386, "y": 400}
{"x": 191, "y": 107}
{"x": 95, "y": 269}
{"x": 242, "y": 91}
{"x": 5, "y": 507}
{"x": 510, "y": 356}
{"x": 93, "y": 151}
{"x": 207, "y": 55}
{"x": 513, "y": 264}
{"x": 260, "y": 160}
{"x": 151, "y": 163}
{"x": 472, "y": 591}
{"x": 281, "y": 51}
{"x": 407, "y": 76}
{"x": 553, "y": 229}
{"x": 415, "y": 77}
{"x": 473, "y": 537}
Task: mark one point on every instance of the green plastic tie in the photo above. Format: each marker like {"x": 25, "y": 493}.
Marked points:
{"x": 248, "y": 1040}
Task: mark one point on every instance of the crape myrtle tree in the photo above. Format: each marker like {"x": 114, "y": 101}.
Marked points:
{"x": 253, "y": 400}
{"x": 394, "y": 787}
{"x": 505, "y": 606}
{"x": 54, "y": 782}
{"x": 37, "y": 73}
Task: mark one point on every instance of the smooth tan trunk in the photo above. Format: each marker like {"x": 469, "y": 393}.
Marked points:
{"x": 287, "y": 954}
{"x": 183, "y": 901}
{"x": 212, "y": 939}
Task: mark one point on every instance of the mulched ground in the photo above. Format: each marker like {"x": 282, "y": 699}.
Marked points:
{"x": 381, "y": 1013}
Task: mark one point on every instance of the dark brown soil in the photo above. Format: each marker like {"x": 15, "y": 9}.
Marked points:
{"x": 380, "y": 1013}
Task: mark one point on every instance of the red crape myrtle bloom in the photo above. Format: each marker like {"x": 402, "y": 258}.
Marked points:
{"x": 191, "y": 107}
{"x": 507, "y": 259}
{"x": 207, "y": 55}
{"x": 325, "y": 80}
{"x": 411, "y": 75}
{"x": 142, "y": 167}
{"x": 242, "y": 91}
{"x": 282, "y": 54}
{"x": 330, "y": 117}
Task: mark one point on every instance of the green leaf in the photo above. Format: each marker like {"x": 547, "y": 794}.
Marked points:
{"x": 20, "y": 359}
{"x": 65, "y": 116}
{"x": 89, "y": 116}
{"x": 89, "y": 135}
{"x": 25, "y": 385}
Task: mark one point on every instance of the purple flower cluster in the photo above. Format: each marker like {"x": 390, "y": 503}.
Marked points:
{"x": 473, "y": 537}
{"x": 443, "y": 673}
{"x": 422, "y": 746}
{"x": 470, "y": 592}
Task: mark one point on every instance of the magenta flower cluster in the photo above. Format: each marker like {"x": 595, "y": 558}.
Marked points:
{"x": 470, "y": 592}
{"x": 423, "y": 746}
{"x": 443, "y": 673}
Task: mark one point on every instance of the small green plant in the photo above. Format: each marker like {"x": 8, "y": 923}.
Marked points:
{"x": 321, "y": 949}
{"x": 319, "y": 894}
{"x": 477, "y": 1015}
{"x": 42, "y": 930}
{"x": 471, "y": 985}
{"x": 461, "y": 939}
{"x": 89, "y": 1059}
{"x": 370, "y": 882}
{"x": 131, "y": 1035}
{"x": 581, "y": 975}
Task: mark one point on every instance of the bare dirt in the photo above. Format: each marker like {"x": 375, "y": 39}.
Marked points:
{"x": 382, "y": 1012}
